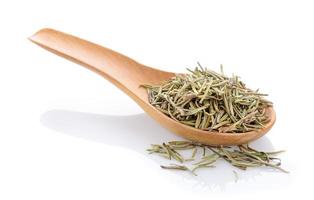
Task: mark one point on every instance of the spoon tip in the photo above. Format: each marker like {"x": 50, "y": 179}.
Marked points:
{"x": 34, "y": 38}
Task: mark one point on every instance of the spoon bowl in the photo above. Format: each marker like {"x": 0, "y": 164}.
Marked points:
{"x": 128, "y": 75}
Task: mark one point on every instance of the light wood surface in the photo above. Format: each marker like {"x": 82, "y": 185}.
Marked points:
{"x": 127, "y": 75}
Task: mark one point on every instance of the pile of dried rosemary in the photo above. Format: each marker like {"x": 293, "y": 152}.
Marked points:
{"x": 210, "y": 101}
{"x": 241, "y": 156}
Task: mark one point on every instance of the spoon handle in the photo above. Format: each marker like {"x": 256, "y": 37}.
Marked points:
{"x": 108, "y": 63}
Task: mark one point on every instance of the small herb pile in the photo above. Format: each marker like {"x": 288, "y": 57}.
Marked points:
{"x": 241, "y": 156}
{"x": 210, "y": 101}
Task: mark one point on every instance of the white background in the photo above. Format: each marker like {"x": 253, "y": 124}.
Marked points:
{"x": 66, "y": 133}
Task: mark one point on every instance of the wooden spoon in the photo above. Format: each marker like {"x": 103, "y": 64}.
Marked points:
{"x": 128, "y": 75}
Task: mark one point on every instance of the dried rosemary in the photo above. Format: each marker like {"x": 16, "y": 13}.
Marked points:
{"x": 241, "y": 156}
{"x": 210, "y": 101}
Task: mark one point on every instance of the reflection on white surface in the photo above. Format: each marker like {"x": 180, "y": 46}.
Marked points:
{"x": 137, "y": 132}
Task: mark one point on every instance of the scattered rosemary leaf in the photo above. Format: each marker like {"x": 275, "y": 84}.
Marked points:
{"x": 242, "y": 156}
